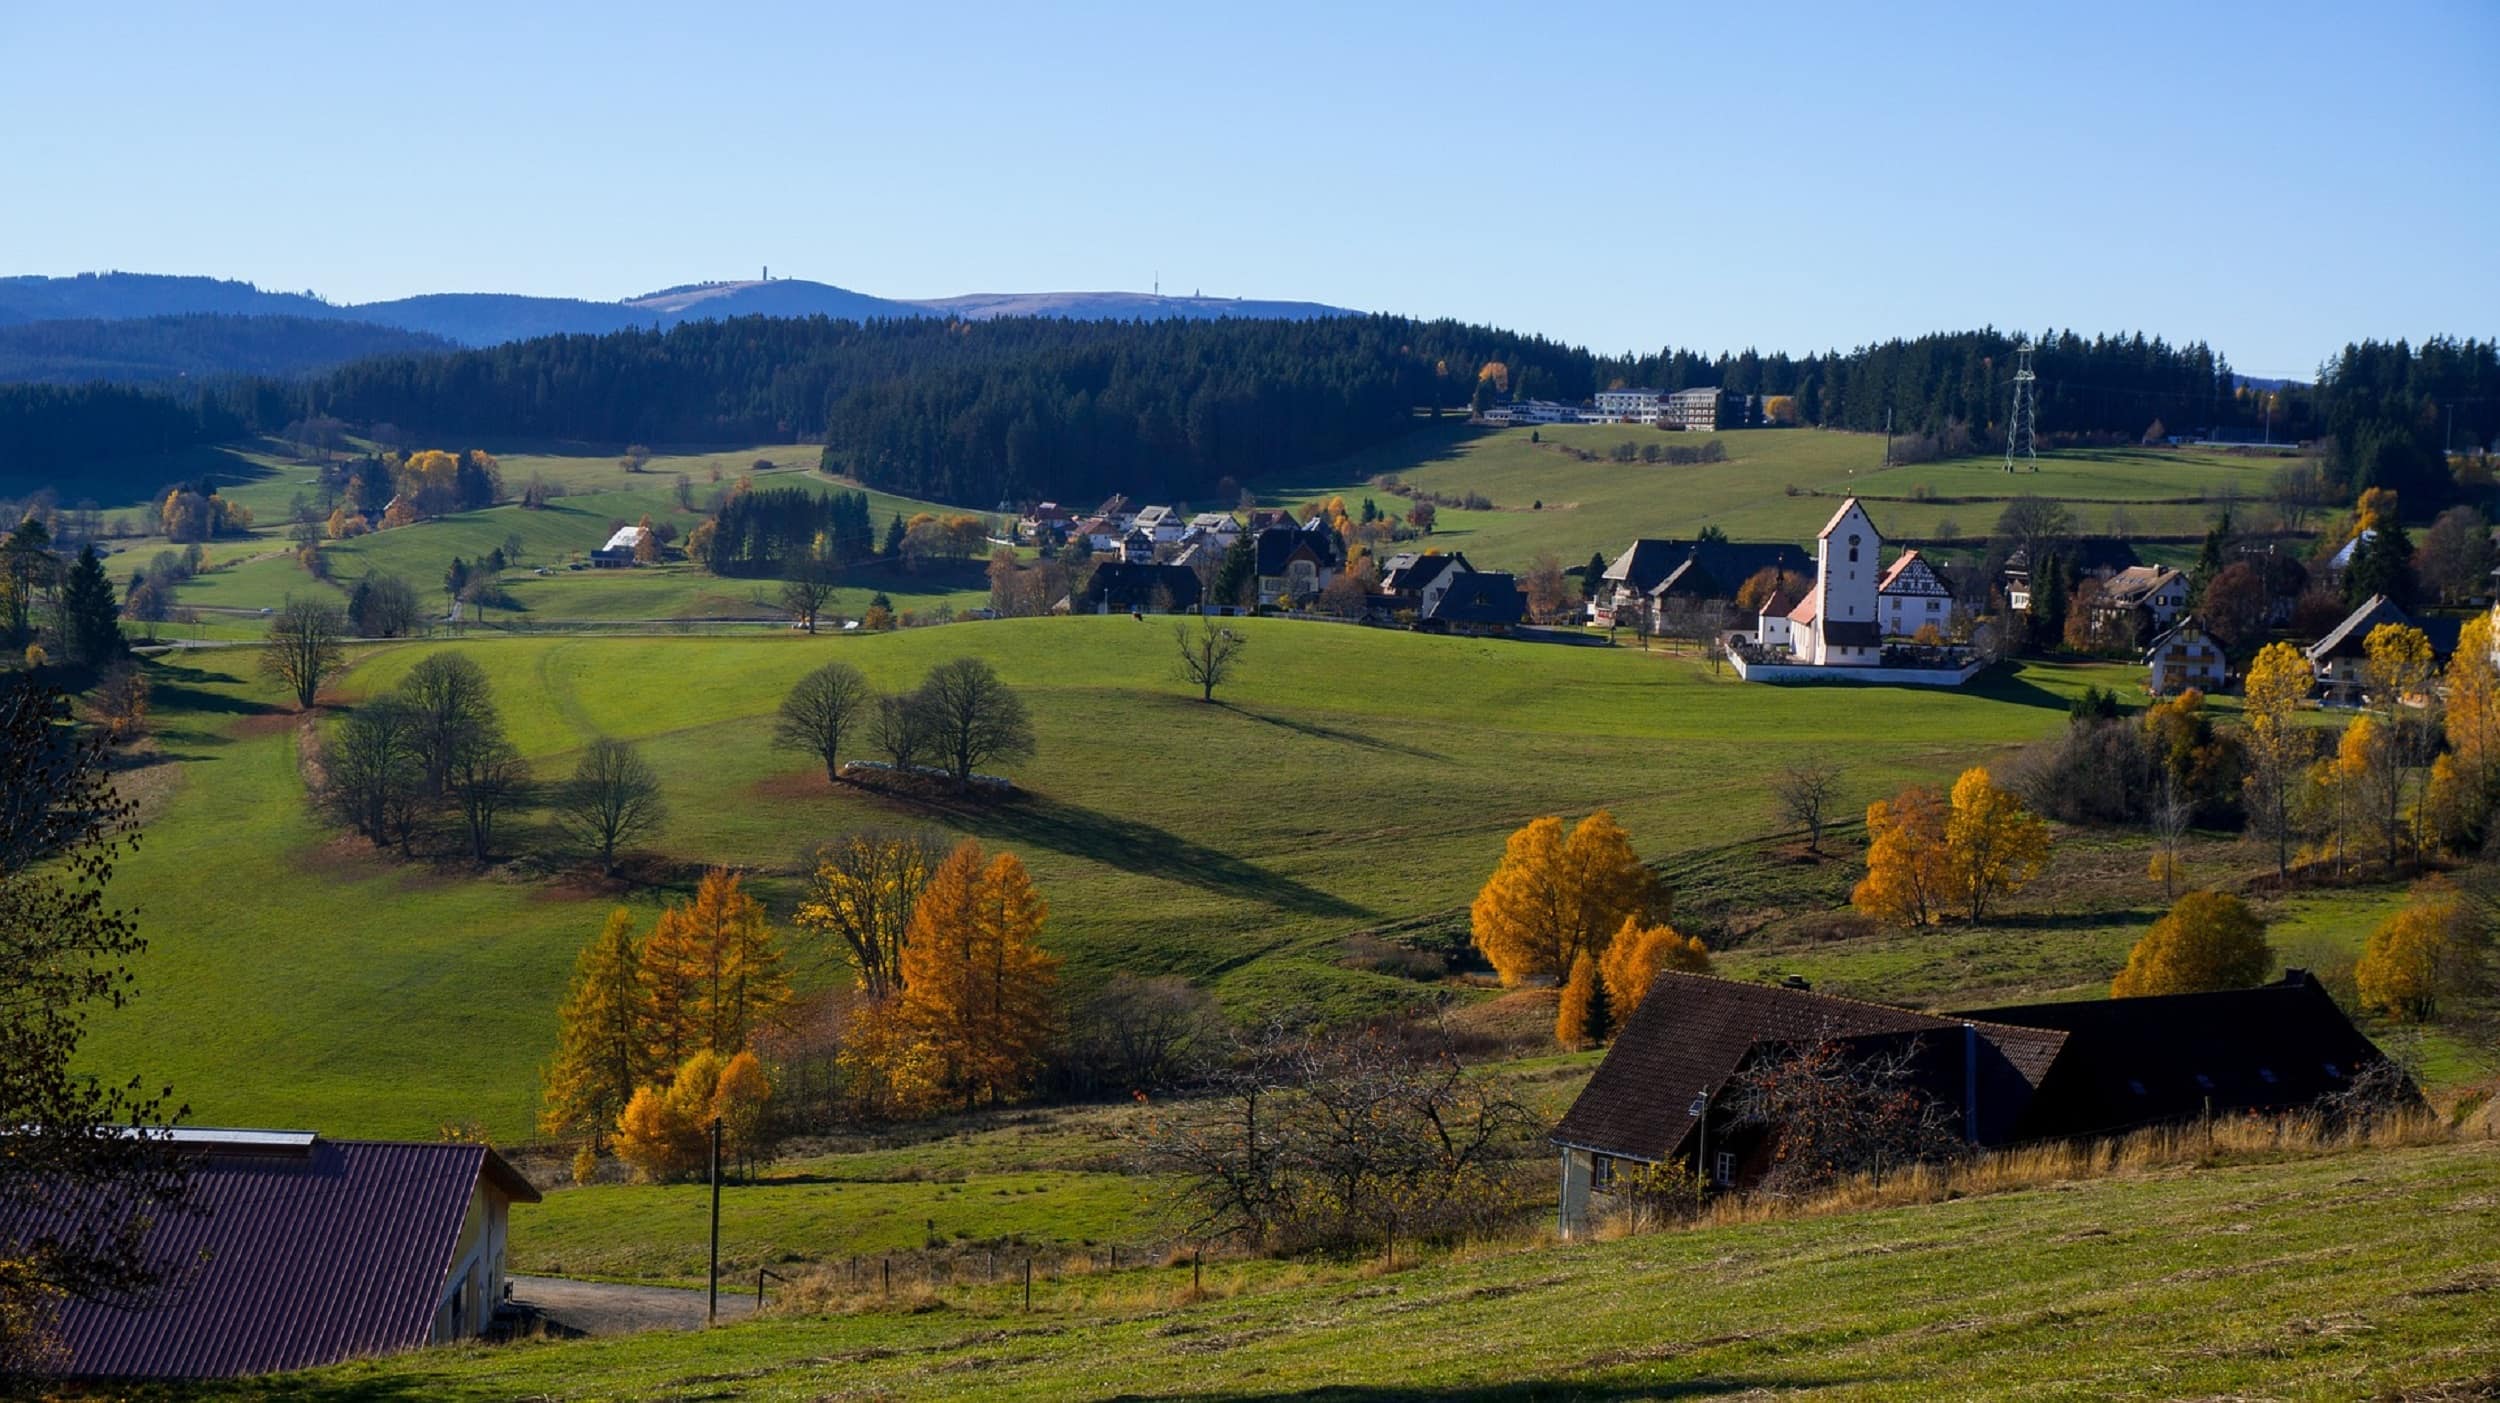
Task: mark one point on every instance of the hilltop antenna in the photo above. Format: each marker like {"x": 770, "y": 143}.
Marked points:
{"x": 2022, "y": 428}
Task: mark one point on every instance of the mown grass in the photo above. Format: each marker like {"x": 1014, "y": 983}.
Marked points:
{"x": 1603, "y": 506}
{"x": 1353, "y": 778}
{"x": 2354, "y": 1274}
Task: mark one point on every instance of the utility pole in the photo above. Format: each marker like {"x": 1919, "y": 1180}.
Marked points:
{"x": 711, "y": 1308}
{"x": 1887, "y": 436}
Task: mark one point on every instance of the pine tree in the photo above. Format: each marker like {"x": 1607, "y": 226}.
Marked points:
{"x": 600, "y": 1059}
{"x": 90, "y": 619}
{"x": 894, "y": 532}
{"x": 1593, "y": 576}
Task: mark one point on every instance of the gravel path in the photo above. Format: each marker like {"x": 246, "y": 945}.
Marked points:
{"x": 602, "y": 1308}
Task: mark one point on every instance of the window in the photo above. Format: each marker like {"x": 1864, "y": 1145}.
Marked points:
{"x": 1602, "y": 1172}
{"x": 1853, "y": 553}
{"x": 1723, "y": 1168}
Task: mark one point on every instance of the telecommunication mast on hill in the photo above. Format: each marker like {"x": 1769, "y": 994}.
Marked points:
{"x": 2022, "y": 427}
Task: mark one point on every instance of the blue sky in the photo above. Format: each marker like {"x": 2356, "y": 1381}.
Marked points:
{"x": 2276, "y": 179}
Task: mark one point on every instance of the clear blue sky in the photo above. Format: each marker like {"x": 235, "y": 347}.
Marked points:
{"x": 2274, "y": 178}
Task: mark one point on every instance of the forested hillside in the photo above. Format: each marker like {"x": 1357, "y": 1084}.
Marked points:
{"x": 983, "y": 412}
{"x": 194, "y": 346}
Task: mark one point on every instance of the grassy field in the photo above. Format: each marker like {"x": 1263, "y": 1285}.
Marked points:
{"x": 1355, "y": 779}
{"x": 1776, "y": 485}
{"x": 2359, "y": 1274}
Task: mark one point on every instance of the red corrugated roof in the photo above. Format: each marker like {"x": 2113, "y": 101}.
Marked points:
{"x": 293, "y": 1260}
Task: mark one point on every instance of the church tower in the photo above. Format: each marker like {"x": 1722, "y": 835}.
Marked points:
{"x": 1847, "y": 573}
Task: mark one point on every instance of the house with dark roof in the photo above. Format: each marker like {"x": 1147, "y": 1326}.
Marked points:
{"x": 296, "y": 1250}
{"x": 1130, "y": 587}
{"x": 1409, "y": 572}
{"x": 1297, "y": 562}
{"x": 1473, "y": 601}
{"x": 1665, "y": 1090}
{"x": 2340, "y": 659}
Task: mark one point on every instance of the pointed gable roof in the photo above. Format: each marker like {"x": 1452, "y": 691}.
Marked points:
{"x": 1846, "y": 506}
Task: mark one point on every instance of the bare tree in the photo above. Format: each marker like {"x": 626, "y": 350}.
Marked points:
{"x": 454, "y": 709}
{"x": 1827, "y": 1111}
{"x": 303, "y": 648}
{"x": 2036, "y": 525}
{"x": 612, "y": 799}
{"x": 826, "y": 708}
{"x": 1548, "y": 592}
{"x": 808, "y": 590}
{"x": 973, "y": 718}
{"x": 1806, "y": 791}
{"x": 373, "y": 771}
{"x": 900, "y": 730}
{"x": 1145, "y": 1034}
{"x": 2169, "y": 819}
{"x": 1209, "y": 654}
{"x": 488, "y": 779}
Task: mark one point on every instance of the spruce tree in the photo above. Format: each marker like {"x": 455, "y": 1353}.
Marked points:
{"x": 90, "y": 619}
{"x": 894, "y": 537}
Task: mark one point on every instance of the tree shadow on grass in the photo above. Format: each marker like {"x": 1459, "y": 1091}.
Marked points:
{"x": 1319, "y": 732}
{"x": 1132, "y": 845}
{"x": 2000, "y": 684}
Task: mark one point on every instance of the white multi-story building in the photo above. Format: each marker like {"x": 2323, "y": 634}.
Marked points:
{"x": 1630, "y": 406}
{"x": 1843, "y": 631}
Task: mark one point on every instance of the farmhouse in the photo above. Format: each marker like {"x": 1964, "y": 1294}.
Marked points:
{"x": 2340, "y": 658}
{"x": 1650, "y": 571}
{"x": 307, "y": 1251}
{"x": 1409, "y": 573}
{"x": 1472, "y": 601}
{"x": 1297, "y": 562}
{"x": 1218, "y": 529}
{"x": 1671, "y": 1089}
{"x": 2184, "y": 657}
{"x": 1912, "y": 596}
{"x": 620, "y": 550}
{"x": 1129, "y": 587}
{"x": 1160, "y": 524}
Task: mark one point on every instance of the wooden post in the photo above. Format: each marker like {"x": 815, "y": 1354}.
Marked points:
{"x": 1028, "y": 1285}
{"x": 711, "y": 1308}
{"x": 889, "y": 1278}
{"x": 1193, "y": 1268}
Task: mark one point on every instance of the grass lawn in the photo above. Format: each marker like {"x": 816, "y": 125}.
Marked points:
{"x": 1776, "y": 485}
{"x": 2361, "y": 1274}
{"x": 1353, "y": 779}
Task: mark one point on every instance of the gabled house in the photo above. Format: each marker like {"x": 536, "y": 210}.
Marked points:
{"x": 297, "y": 1250}
{"x": 1912, "y": 596}
{"x": 1217, "y": 527}
{"x": 1472, "y": 601}
{"x": 2135, "y": 604}
{"x": 1118, "y": 510}
{"x": 1650, "y": 571}
{"x": 2341, "y": 658}
{"x": 620, "y": 551}
{"x": 2097, "y": 556}
{"x": 1132, "y": 587}
{"x": 1048, "y": 522}
{"x": 1670, "y": 1088}
{"x": 1160, "y": 523}
{"x": 1137, "y": 547}
{"x": 2184, "y": 656}
{"x": 1409, "y": 573}
{"x": 1101, "y": 533}
{"x": 1297, "y": 562}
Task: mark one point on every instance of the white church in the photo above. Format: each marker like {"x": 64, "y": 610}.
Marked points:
{"x": 1836, "y": 632}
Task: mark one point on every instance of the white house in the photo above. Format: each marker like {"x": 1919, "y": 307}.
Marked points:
{"x": 2158, "y": 590}
{"x": 1219, "y": 529}
{"x": 1161, "y": 523}
{"x": 2182, "y": 658}
{"x": 1773, "y": 625}
{"x": 1912, "y": 597}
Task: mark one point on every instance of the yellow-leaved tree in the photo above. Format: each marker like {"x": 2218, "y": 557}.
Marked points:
{"x": 1908, "y": 879}
{"x": 973, "y": 1019}
{"x": 711, "y": 972}
{"x": 601, "y": 1049}
{"x": 2470, "y": 689}
{"x": 1582, "y": 1018}
{"x": 1993, "y": 845}
{"x": 666, "y": 1131}
{"x": 861, "y": 898}
{"x": 1556, "y": 896}
{"x": 2279, "y": 747}
{"x": 1637, "y": 955}
{"x": 2210, "y": 940}
{"x": 2435, "y": 948}
{"x": 739, "y": 1102}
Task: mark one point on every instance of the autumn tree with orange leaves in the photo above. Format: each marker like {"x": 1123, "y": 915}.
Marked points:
{"x": 1557, "y": 896}
{"x": 1635, "y": 958}
{"x": 974, "y": 1014}
{"x": 711, "y": 973}
{"x": 1927, "y": 856}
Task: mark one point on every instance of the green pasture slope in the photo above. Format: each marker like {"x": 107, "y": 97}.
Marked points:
{"x": 1603, "y": 506}
{"x": 2356, "y": 1275}
{"x": 1354, "y": 778}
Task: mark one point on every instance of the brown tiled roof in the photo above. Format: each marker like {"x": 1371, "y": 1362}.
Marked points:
{"x": 293, "y": 1259}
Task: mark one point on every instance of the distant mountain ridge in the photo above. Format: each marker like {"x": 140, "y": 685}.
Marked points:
{"x": 195, "y": 345}
{"x": 486, "y": 318}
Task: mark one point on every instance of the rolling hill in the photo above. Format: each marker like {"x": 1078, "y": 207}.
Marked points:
{"x": 488, "y": 318}
{"x": 175, "y": 346}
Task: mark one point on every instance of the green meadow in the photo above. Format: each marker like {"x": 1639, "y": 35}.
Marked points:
{"x": 1776, "y": 485}
{"x": 2348, "y": 1275}
{"x": 1354, "y": 779}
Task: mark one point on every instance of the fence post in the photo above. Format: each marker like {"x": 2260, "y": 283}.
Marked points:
{"x": 1028, "y": 1285}
{"x": 889, "y": 1278}
{"x": 1194, "y": 1254}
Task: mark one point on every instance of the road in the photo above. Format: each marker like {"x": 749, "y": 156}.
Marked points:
{"x": 601, "y": 1308}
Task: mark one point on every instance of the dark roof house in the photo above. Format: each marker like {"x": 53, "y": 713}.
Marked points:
{"x": 1711, "y": 569}
{"x": 1475, "y": 601}
{"x": 1124, "y": 587}
{"x": 299, "y": 1251}
{"x": 1409, "y": 571}
{"x": 2038, "y": 1071}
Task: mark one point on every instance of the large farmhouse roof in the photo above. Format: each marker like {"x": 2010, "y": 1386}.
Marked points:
{"x": 1137, "y": 585}
{"x": 1479, "y": 597}
{"x": 1693, "y": 1031}
{"x": 2171, "y": 1057}
{"x": 301, "y": 1251}
{"x": 626, "y": 538}
{"x": 1278, "y": 545}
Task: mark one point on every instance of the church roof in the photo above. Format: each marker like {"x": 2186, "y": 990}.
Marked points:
{"x": 1834, "y": 524}
{"x": 1807, "y": 607}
